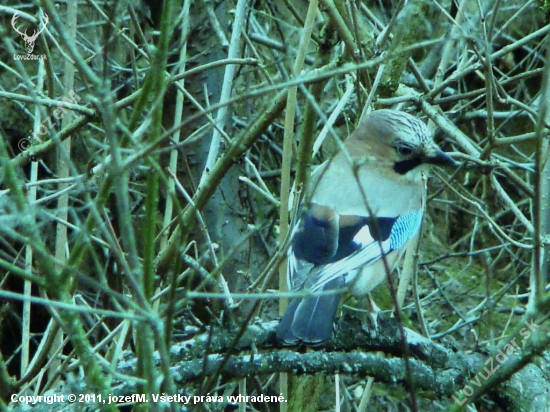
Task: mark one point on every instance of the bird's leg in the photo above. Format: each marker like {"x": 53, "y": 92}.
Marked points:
{"x": 369, "y": 320}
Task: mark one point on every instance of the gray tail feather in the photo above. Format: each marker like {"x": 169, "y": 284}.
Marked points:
{"x": 310, "y": 319}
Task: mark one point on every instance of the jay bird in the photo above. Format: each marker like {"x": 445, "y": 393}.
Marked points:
{"x": 364, "y": 203}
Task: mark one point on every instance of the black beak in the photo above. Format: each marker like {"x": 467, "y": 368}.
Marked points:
{"x": 440, "y": 158}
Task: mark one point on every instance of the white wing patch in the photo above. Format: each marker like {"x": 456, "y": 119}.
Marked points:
{"x": 363, "y": 237}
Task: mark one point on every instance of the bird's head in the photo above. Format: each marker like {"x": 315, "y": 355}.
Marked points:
{"x": 399, "y": 140}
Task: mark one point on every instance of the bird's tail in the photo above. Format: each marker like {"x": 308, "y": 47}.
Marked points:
{"x": 310, "y": 320}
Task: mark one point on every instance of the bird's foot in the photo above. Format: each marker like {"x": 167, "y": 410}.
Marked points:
{"x": 369, "y": 320}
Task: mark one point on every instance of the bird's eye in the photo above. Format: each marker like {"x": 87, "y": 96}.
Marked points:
{"x": 404, "y": 150}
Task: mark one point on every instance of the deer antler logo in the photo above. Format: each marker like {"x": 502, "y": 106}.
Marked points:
{"x": 30, "y": 39}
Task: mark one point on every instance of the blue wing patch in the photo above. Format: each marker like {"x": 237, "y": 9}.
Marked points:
{"x": 404, "y": 228}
